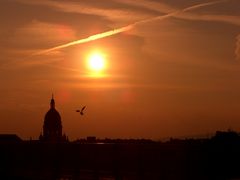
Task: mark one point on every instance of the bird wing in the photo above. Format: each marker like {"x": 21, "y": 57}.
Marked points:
{"x": 83, "y": 108}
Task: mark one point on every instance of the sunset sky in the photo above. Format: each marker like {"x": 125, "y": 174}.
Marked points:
{"x": 171, "y": 68}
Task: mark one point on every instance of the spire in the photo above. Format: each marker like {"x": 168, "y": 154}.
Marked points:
{"x": 52, "y": 103}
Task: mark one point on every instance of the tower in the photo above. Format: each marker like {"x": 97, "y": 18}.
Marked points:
{"x": 52, "y": 127}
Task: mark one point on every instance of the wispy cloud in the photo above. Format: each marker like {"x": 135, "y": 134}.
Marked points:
{"x": 234, "y": 20}
{"x": 131, "y": 15}
{"x": 37, "y": 33}
{"x": 151, "y": 5}
{"x": 203, "y": 5}
{"x": 164, "y": 8}
{"x": 126, "y": 28}
{"x": 90, "y": 9}
{"x": 237, "y": 50}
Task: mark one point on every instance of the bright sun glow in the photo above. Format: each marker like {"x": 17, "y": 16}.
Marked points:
{"x": 96, "y": 61}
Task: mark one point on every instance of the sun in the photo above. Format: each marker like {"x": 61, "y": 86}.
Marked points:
{"x": 96, "y": 62}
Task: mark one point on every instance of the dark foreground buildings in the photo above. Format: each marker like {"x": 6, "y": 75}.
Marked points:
{"x": 52, "y": 157}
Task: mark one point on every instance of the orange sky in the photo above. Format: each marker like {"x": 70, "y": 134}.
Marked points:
{"x": 175, "y": 77}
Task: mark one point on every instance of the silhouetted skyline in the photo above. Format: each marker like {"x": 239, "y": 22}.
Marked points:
{"x": 174, "y": 77}
{"x": 117, "y": 159}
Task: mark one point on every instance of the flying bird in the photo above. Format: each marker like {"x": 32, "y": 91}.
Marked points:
{"x": 81, "y": 111}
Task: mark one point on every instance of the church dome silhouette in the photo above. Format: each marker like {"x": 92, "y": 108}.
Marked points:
{"x": 52, "y": 127}
{"x": 52, "y": 120}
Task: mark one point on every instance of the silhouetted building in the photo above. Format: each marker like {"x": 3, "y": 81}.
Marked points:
{"x": 52, "y": 127}
{"x": 91, "y": 139}
{"x": 9, "y": 138}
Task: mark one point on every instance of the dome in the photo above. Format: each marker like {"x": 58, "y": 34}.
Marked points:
{"x": 52, "y": 127}
{"x": 52, "y": 119}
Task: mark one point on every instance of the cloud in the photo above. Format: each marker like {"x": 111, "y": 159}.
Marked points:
{"x": 151, "y": 5}
{"x": 84, "y": 7}
{"x": 38, "y": 29}
{"x": 164, "y": 8}
{"x": 128, "y": 10}
{"x": 126, "y": 28}
{"x": 237, "y": 50}
{"x": 234, "y": 20}
{"x": 38, "y": 34}
{"x": 32, "y": 37}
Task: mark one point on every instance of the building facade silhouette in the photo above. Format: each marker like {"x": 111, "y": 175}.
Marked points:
{"x": 52, "y": 126}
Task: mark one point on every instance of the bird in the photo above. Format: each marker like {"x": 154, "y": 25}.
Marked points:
{"x": 81, "y": 111}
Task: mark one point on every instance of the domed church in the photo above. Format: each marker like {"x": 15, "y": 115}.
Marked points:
{"x": 52, "y": 127}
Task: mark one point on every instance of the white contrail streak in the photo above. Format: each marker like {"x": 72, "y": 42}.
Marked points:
{"x": 127, "y": 28}
{"x": 88, "y": 39}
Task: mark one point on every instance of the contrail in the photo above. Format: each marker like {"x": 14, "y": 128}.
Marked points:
{"x": 202, "y": 5}
{"x": 127, "y": 28}
{"x": 88, "y": 39}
